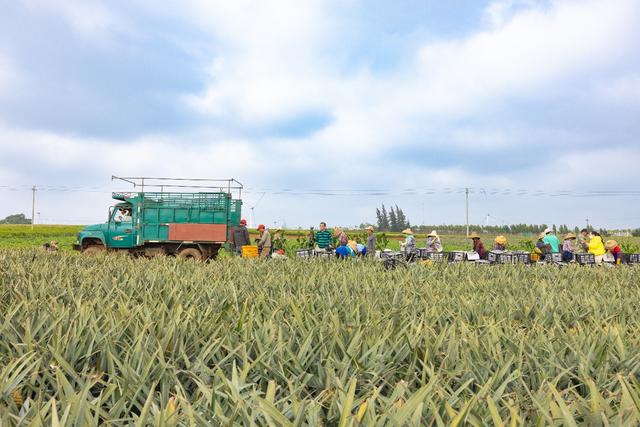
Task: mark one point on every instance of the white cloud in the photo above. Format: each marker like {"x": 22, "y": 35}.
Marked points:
{"x": 8, "y": 74}
{"x": 90, "y": 18}
{"x": 623, "y": 90}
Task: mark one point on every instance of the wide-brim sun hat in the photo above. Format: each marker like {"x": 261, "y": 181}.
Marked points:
{"x": 369, "y": 228}
{"x": 407, "y": 231}
{"x": 261, "y": 227}
{"x": 547, "y": 230}
{"x": 541, "y": 235}
{"x": 569, "y": 236}
{"x": 474, "y": 235}
{"x": 433, "y": 233}
{"x": 610, "y": 244}
{"x": 501, "y": 240}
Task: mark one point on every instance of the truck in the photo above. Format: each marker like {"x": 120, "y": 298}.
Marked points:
{"x": 167, "y": 220}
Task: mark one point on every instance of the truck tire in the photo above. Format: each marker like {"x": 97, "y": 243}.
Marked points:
{"x": 190, "y": 253}
{"x": 94, "y": 250}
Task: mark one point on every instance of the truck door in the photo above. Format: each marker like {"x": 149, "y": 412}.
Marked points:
{"x": 122, "y": 232}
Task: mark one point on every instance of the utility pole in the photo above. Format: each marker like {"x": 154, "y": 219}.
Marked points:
{"x": 466, "y": 205}
{"x": 33, "y": 206}
{"x": 587, "y": 223}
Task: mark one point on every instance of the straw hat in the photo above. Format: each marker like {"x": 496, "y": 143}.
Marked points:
{"x": 433, "y": 233}
{"x": 474, "y": 235}
{"x": 569, "y": 236}
{"x": 610, "y": 244}
{"x": 501, "y": 240}
{"x": 541, "y": 235}
{"x": 407, "y": 231}
{"x": 547, "y": 230}
{"x": 369, "y": 228}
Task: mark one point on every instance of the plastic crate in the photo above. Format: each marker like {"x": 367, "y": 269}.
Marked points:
{"x": 326, "y": 254}
{"x": 422, "y": 253}
{"x": 553, "y": 257}
{"x": 457, "y": 256}
{"x": 304, "y": 253}
{"x": 586, "y": 259}
{"x": 492, "y": 257}
{"x": 633, "y": 258}
{"x": 249, "y": 251}
{"x": 436, "y": 256}
{"x": 390, "y": 254}
{"x": 521, "y": 257}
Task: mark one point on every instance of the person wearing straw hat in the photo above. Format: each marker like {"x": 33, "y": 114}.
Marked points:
{"x": 478, "y": 246}
{"x": 551, "y": 240}
{"x": 614, "y": 253}
{"x": 568, "y": 247}
{"x": 541, "y": 248}
{"x": 409, "y": 244}
{"x": 434, "y": 244}
{"x": 371, "y": 242}
{"x": 500, "y": 243}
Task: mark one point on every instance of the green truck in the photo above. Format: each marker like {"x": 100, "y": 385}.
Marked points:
{"x": 183, "y": 224}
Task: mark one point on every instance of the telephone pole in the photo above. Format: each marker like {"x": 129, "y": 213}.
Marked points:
{"x": 466, "y": 205}
{"x": 33, "y": 206}
{"x": 587, "y": 223}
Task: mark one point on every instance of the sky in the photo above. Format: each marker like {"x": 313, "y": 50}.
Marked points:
{"x": 325, "y": 110}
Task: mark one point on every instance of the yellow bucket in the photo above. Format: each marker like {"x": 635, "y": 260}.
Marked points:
{"x": 249, "y": 251}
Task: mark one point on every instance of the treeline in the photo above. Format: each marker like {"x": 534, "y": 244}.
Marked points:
{"x": 392, "y": 220}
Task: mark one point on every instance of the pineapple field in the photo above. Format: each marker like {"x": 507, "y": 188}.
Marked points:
{"x": 117, "y": 340}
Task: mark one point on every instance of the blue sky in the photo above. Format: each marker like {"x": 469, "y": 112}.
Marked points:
{"x": 342, "y": 95}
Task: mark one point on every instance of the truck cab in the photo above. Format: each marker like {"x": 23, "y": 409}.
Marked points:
{"x": 149, "y": 223}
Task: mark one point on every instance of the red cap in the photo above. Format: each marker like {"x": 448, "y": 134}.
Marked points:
{"x": 243, "y": 222}
{"x": 261, "y": 227}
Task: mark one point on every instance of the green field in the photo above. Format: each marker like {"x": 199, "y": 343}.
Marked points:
{"x": 22, "y": 236}
{"x": 114, "y": 339}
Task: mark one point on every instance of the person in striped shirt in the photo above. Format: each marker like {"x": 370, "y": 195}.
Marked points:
{"x": 324, "y": 237}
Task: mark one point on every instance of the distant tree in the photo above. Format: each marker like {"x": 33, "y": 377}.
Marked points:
{"x": 383, "y": 219}
{"x": 401, "y": 219}
{"x": 393, "y": 220}
{"x": 16, "y": 219}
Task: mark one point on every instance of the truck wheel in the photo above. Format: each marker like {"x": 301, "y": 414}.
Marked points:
{"x": 93, "y": 250}
{"x": 190, "y": 253}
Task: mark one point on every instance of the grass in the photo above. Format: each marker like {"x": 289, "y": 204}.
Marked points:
{"x": 91, "y": 340}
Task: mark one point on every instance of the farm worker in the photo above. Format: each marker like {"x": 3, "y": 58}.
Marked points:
{"x": 240, "y": 236}
{"x": 500, "y": 243}
{"x": 341, "y": 235}
{"x": 344, "y": 251}
{"x": 361, "y": 250}
{"x": 409, "y": 244}
{"x": 478, "y": 246}
{"x": 568, "y": 248}
{"x": 583, "y": 240}
{"x": 278, "y": 240}
{"x": 596, "y": 246}
{"x": 551, "y": 240}
{"x": 371, "y": 241}
{"x": 433, "y": 242}
{"x": 323, "y": 237}
{"x": 353, "y": 245}
{"x": 614, "y": 251}
{"x": 541, "y": 247}
{"x": 264, "y": 244}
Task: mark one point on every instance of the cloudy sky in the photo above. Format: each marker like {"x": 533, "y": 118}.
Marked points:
{"x": 329, "y": 108}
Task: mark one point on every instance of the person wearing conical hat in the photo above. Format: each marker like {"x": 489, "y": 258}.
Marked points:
{"x": 500, "y": 243}
{"x": 568, "y": 247}
{"x": 409, "y": 245}
{"x": 478, "y": 246}
{"x": 434, "y": 244}
{"x": 614, "y": 251}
